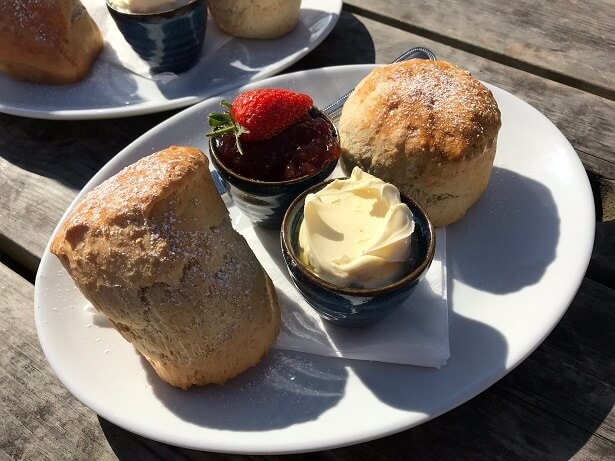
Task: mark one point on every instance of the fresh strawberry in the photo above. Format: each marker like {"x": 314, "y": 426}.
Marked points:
{"x": 260, "y": 114}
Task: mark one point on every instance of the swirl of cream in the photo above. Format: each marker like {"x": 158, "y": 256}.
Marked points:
{"x": 356, "y": 232}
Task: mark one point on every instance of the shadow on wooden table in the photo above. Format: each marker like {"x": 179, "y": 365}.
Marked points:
{"x": 237, "y": 61}
{"x": 69, "y": 151}
{"x": 348, "y": 43}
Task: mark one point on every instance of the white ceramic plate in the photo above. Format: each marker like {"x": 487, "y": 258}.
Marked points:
{"x": 112, "y": 91}
{"x": 515, "y": 262}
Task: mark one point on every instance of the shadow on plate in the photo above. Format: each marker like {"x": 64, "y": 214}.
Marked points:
{"x": 104, "y": 87}
{"x": 235, "y": 62}
{"x": 508, "y": 238}
{"x": 504, "y": 243}
{"x": 285, "y": 388}
{"x": 528, "y": 414}
{"x": 114, "y": 84}
{"x": 432, "y": 391}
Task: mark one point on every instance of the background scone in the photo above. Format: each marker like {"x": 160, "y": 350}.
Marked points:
{"x": 262, "y": 19}
{"x": 428, "y": 127}
{"x": 52, "y": 41}
{"x": 153, "y": 249}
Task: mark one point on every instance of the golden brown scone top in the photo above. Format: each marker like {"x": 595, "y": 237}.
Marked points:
{"x": 422, "y": 106}
{"x": 144, "y": 241}
{"x": 45, "y": 23}
{"x": 428, "y": 127}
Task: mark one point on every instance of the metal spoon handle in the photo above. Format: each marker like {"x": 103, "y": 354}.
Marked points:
{"x": 334, "y": 110}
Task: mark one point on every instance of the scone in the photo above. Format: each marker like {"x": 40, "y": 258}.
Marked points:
{"x": 261, "y": 19}
{"x": 52, "y": 41}
{"x": 428, "y": 127}
{"x": 154, "y": 250}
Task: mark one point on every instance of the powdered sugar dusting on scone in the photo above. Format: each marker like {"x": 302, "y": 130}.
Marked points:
{"x": 28, "y": 15}
{"x": 142, "y": 211}
{"x": 446, "y": 103}
{"x": 428, "y": 127}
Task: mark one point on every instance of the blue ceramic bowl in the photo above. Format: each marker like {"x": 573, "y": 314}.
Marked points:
{"x": 169, "y": 41}
{"x": 355, "y": 307}
{"x": 265, "y": 202}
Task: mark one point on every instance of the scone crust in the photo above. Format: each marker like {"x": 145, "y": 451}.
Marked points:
{"x": 263, "y": 19}
{"x": 153, "y": 249}
{"x": 428, "y": 127}
{"x": 51, "y": 42}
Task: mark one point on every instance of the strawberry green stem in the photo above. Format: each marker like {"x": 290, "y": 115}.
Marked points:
{"x": 223, "y": 123}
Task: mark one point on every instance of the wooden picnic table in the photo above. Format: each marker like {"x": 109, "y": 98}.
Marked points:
{"x": 559, "y": 56}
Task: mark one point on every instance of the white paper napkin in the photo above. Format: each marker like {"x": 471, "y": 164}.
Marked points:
{"x": 415, "y": 334}
{"x": 118, "y": 52}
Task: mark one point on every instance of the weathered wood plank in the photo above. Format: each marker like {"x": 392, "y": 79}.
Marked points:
{"x": 567, "y": 41}
{"x": 43, "y": 164}
{"x": 39, "y": 419}
{"x": 606, "y": 191}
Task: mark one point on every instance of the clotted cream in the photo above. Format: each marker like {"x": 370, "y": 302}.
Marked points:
{"x": 356, "y": 232}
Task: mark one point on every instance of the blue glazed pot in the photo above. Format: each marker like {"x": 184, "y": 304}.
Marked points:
{"x": 169, "y": 41}
{"x": 354, "y": 307}
{"x": 265, "y": 202}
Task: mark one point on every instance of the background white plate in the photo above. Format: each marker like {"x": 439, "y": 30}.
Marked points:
{"x": 112, "y": 91}
{"x": 515, "y": 262}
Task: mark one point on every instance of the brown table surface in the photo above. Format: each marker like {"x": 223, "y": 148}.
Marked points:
{"x": 559, "y": 56}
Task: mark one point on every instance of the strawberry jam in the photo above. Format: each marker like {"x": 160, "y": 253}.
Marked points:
{"x": 300, "y": 150}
